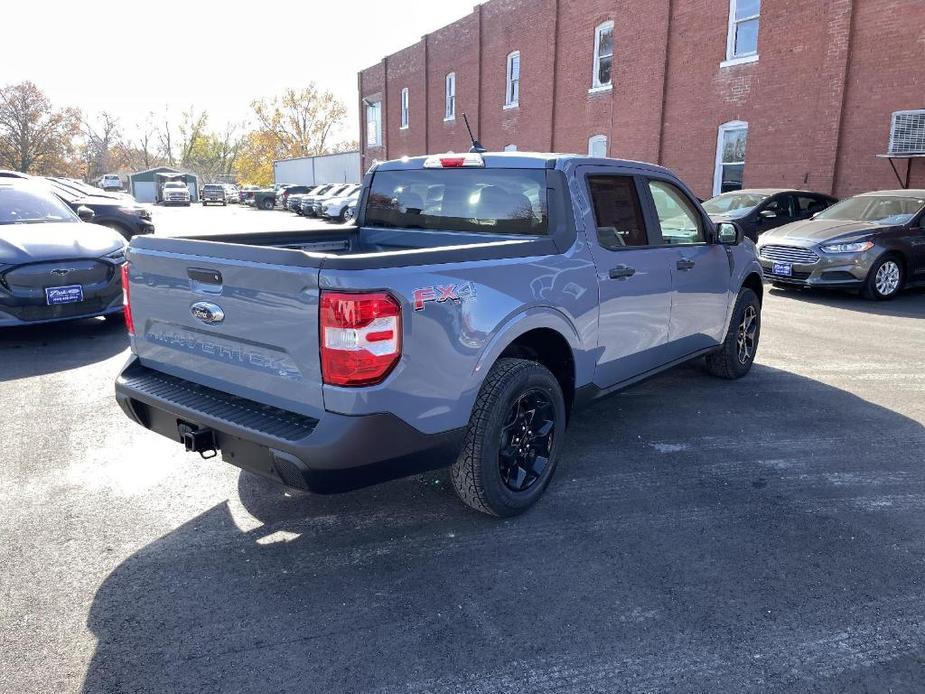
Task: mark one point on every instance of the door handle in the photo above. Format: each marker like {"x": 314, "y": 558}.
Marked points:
{"x": 621, "y": 272}
{"x": 685, "y": 264}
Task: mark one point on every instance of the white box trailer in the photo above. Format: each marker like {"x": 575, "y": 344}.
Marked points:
{"x": 343, "y": 167}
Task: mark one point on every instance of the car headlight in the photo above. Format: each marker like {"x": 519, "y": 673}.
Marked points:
{"x": 852, "y": 247}
{"x": 137, "y": 211}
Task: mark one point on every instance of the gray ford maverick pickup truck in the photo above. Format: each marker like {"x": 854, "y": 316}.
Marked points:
{"x": 476, "y": 303}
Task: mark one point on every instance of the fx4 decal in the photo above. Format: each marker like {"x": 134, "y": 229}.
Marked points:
{"x": 442, "y": 294}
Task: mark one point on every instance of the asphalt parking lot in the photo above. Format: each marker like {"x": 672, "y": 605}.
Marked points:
{"x": 761, "y": 535}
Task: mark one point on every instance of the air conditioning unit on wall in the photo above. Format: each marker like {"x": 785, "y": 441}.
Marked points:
{"x": 907, "y": 133}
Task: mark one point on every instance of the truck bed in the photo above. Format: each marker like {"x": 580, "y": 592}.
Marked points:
{"x": 352, "y": 248}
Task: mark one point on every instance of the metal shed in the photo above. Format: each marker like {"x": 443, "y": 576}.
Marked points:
{"x": 343, "y": 167}
{"x": 146, "y": 185}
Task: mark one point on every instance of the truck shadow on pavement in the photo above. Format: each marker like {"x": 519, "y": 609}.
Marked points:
{"x": 42, "y": 349}
{"x": 909, "y": 304}
{"x": 700, "y": 535}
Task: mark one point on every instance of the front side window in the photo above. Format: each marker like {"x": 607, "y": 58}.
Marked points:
{"x": 597, "y": 146}
{"x": 405, "y": 114}
{"x": 512, "y": 96}
{"x": 497, "y": 201}
{"x": 374, "y": 124}
{"x": 679, "y": 221}
{"x": 617, "y": 212}
{"x": 450, "y": 109}
{"x": 742, "y": 39}
{"x": 603, "y": 56}
{"x": 730, "y": 157}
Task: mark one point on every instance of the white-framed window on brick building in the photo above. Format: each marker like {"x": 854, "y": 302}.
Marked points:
{"x": 449, "y": 112}
{"x": 730, "y": 156}
{"x": 597, "y": 146}
{"x": 374, "y": 124}
{"x": 742, "y": 33}
{"x": 512, "y": 92}
{"x": 405, "y": 111}
{"x": 603, "y": 57}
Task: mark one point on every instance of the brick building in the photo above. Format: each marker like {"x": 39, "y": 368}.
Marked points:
{"x": 726, "y": 92}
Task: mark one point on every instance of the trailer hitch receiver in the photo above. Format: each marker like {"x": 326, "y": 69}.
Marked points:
{"x": 197, "y": 439}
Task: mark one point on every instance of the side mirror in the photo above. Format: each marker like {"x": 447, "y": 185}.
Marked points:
{"x": 85, "y": 213}
{"x": 768, "y": 214}
{"x": 729, "y": 234}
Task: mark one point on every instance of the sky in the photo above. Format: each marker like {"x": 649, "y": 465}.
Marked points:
{"x": 131, "y": 58}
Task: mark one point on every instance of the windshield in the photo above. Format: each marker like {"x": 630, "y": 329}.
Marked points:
{"x": 210, "y": 186}
{"x": 176, "y": 184}
{"x": 734, "y": 202}
{"x": 500, "y": 201}
{"x": 32, "y": 205}
{"x": 882, "y": 209}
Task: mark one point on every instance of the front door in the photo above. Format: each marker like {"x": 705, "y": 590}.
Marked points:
{"x": 633, "y": 276}
{"x": 700, "y": 271}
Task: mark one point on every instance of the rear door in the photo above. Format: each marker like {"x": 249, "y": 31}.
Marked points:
{"x": 633, "y": 277}
{"x": 241, "y": 319}
{"x": 700, "y": 271}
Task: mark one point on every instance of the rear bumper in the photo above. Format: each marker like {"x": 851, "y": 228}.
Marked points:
{"x": 334, "y": 453}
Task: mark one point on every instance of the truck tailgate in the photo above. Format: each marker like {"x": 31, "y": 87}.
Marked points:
{"x": 248, "y": 327}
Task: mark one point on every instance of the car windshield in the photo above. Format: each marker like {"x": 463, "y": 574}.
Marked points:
{"x": 500, "y": 201}
{"x": 32, "y": 205}
{"x": 209, "y": 186}
{"x": 175, "y": 185}
{"x": 882, "y": 209}
{"x": 734, "y": 202}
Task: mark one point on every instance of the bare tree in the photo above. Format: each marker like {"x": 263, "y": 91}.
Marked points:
{"x": 191, "y": 131}
{"x": 35, "y": 137}
{"x": 165, "y": 139}
{"x": 101, "y": 140}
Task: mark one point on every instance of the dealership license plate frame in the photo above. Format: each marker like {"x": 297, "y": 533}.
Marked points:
{"x": 782, "y": 269}
{"x": 67, "y": 294}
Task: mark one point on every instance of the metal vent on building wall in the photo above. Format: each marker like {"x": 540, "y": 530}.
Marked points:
{"x": 907, "y": 133}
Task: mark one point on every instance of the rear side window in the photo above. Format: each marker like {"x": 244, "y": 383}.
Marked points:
{"x": 497, "y": 201}
{"x": 679, "y": 220}
{"x": 617, "y": 212}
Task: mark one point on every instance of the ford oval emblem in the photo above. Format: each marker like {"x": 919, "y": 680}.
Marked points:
{"x": 207, "y": 312}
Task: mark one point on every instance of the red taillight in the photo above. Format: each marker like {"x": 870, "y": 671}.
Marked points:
{"x": 360, "y": 337}
{"x": 452, "y": 162}
{"x": 127, "y": 301}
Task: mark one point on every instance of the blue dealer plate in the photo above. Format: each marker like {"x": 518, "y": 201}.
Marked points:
{"x": 782, "y": 269}
{"x": 70, "y": 294}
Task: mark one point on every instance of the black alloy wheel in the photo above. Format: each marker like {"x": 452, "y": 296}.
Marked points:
{"x": 526, "y": 440}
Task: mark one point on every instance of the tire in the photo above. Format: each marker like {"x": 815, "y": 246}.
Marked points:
{"x": 266, "y": 204}
{"x": 502, "y": 485}
{"x": 885, "y": 279}
{"x": 735, "y": 357}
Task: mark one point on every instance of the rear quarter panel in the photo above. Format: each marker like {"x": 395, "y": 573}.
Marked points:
{"x": 449, "y": 346}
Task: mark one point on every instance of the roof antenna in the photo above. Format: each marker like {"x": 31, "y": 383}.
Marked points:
{"x": 477, "y": 147}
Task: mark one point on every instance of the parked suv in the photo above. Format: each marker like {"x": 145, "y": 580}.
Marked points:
{"x": 52, "y": 265}
{"x": 480, "y": 301}
{"x": 214, "y": 193}
{"x": 111, "y": 182}
{"x": 121, "y": 214}
{"x": 873, "y": 242}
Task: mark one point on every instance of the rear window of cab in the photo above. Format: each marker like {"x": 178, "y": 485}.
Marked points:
{"x": 496, "y": 201}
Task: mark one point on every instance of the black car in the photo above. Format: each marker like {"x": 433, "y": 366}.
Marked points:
{"x": 120, "y": 213}
{"x": 758, "y": 210}
{"x": 53, "y": 266}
